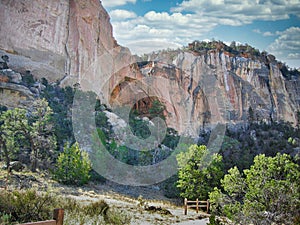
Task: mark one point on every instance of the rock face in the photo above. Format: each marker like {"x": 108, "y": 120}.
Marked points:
{"x": 206, "y": 89}
{"x": 15, "y": 95}
{"x": 71, "y": 41}
{"x": 35, "y": 33}
{"x": 59, "y": 39}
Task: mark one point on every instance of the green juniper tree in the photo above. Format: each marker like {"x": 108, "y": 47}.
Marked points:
{"x": 267, "y": 193}
{"x": 40, "y": 134}
{"x": 13, "y": 123}
{"x": 33, "y": 130}
{"x": 199, "y": 172}
{"x": 73, "y": 166}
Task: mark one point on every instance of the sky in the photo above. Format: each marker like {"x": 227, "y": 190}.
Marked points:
{"x": 149, "y": 25}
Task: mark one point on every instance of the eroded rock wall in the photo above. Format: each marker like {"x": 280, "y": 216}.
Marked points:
{"x": 71, "y": 41}
{"x": 61, "y": 40}
{"x": 206, "y": 89}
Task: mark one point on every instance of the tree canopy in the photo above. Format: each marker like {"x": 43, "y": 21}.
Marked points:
{"x": 73, "y": 166}
{"x": 32, "y": 129}
{"x": 267, "y": 193}
{"x": 199, "y": 172}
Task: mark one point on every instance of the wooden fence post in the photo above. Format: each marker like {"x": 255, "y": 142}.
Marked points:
{"x": 197, "y": 204}
{"x": 207, "y": 206}
{"x": 58, "y": 215}
{"x": 185, "y": 206}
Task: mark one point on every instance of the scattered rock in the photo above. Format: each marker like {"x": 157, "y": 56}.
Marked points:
{"x": 39, "y": 86}
{"x": 116, "y": 121}
{"x": 146, "y": 119}
{"x": 16, "y": 78}
{"x": 253, "y": 135}
{"x": 4, "y": 167}
{"x": 3, "y": 66}
{"x": 14, "y": 95}
{"x": 155, "y": 187}
{"x": 158, "y": 209}
{"x": 202, "y": 216}
{"x": 220, "y": 220}
{"x": 4, "y": 78}
{"x": 17, "y": 166}
{"x": 34, "y": 90}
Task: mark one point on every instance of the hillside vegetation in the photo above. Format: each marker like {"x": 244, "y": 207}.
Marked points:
{"x": 256, "y": 161}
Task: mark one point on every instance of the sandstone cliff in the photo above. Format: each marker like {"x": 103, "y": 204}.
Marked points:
{"x": 205, "y": 89}
{"x": 71, "y": 42}
{"x": 59, "y": 40}
{"x": 14, "y": 95}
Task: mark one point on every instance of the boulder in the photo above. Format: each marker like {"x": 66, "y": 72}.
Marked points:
{"x": 3, "y": 66}
{"x": 16, "y": 78}
{"x": 4, "y": 78}
{"x": 16, "y": 166}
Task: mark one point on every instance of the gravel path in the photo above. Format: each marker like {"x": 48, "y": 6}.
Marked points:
{"x": 195, "y": 222}
{"x": 138, "y": 213}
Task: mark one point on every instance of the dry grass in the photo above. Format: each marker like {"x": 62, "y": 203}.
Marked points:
{"x": 96, "y": 203}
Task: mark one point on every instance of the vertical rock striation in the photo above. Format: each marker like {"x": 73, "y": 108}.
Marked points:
{"x": 216, "y": 87}
{"x": 71, "y": 41}
{"x": 34, "y": 35}
{"x": 64, "y": 40}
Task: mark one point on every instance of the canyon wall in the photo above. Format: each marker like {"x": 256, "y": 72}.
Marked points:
{"x": 71, "y": 42}
{"x": 214, "y": 87}
{"x": 60, "y": 40}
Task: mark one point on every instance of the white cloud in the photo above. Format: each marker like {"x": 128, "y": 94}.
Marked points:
{"x": 294, "y": 56}
{"x": 150, "y": 45}
{"x": 114, "y": 3}
{"x": 268, "y": 34}
{"x": 258, "y": 31}
{"x": 192, "y": 20}
{"x": 287, "y": 46}
{"x": 235, "y": 12}
{"x": 265, "y": 34}
{"x": 175, "y": 18}
{"x": 122, "y": 14}
{"x": 171, "y": 29}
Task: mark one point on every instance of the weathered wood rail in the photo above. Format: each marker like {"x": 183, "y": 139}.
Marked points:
{"x": 58, "y": 219}
{"x": 195, "y": 204}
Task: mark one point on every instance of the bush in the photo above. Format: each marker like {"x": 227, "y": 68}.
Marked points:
{"x": 93, "y": 213}
{"x": 199, "y": 172}
{"x": 213, "y": 220}
{"x": 24, "y": 206}
{"x": 117, "y": 217}
{"x": 73, "y": 166}
{"x": 267, "y": 193}
{"x": 96, "y": 208}
{"x": 169, "y": 187}
{"x": 30, "y": 206}
{"x": 28, "y": 79}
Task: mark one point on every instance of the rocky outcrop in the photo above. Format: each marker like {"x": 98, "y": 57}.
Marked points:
{"x": 59, "y": 39}
{"x": 12, "y": 76}
{"x": 71, "y": 42}
{"x": 293, "y": 89}
{"x": 15, "y": 95}
{"x": 206, "y": 89}
{"x": 34, "y": 35}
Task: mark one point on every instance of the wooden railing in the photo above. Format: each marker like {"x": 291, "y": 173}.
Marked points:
{"x": 195, "y": 204}
{"x": 58, "y": 219}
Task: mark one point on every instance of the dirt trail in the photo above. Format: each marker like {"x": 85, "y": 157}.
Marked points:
{"x": 145, "y": 205}
{"x": 165, "y": 213}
